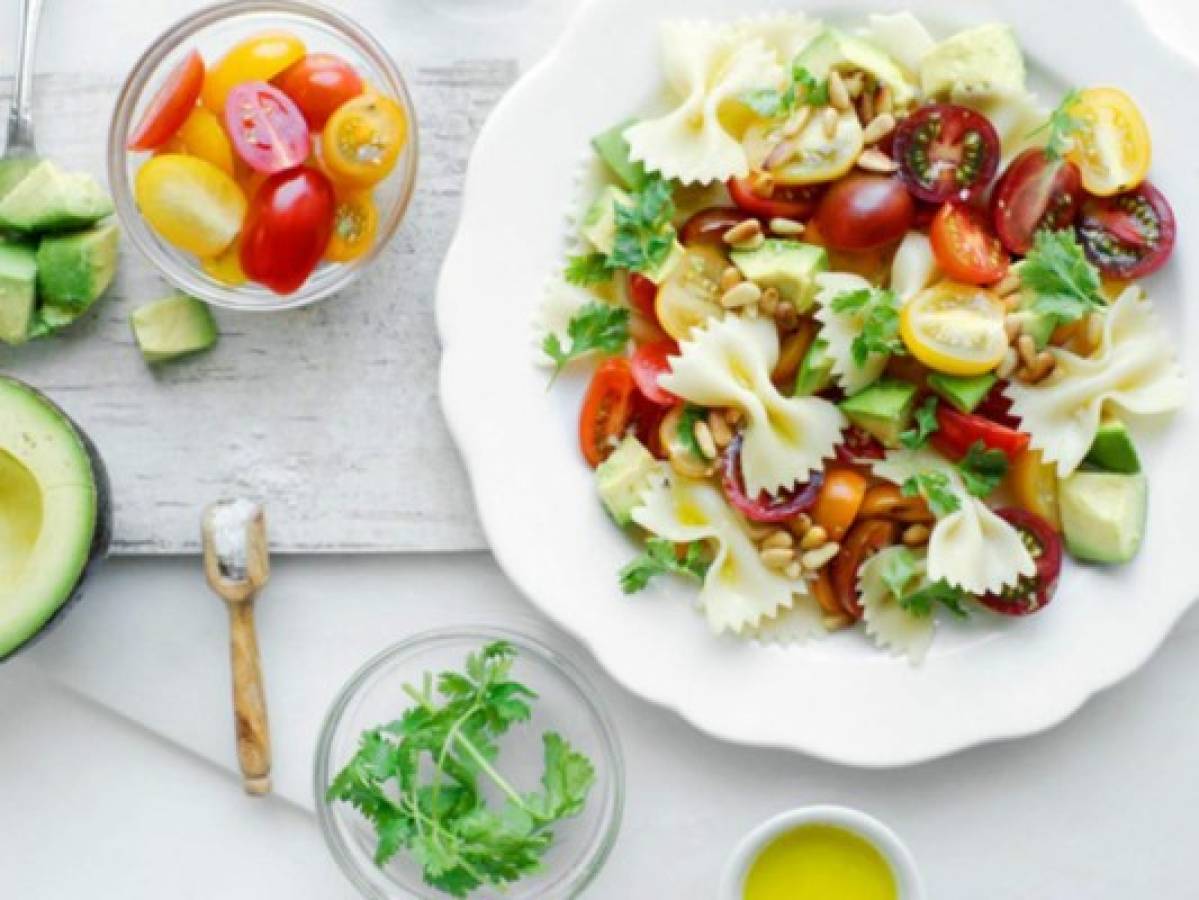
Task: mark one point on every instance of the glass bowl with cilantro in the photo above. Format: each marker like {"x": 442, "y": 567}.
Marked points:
{"x": 469, "y": 762}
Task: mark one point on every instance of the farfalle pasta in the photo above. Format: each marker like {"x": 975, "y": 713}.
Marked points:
{"x": 839, "y": 330}
{"x": 890, "y": 624}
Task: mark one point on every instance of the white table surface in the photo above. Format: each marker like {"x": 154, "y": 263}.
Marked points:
{"x": 117, "y": 751}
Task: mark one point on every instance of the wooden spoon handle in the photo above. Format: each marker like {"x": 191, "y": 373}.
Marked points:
{"x": 249, "y": 702}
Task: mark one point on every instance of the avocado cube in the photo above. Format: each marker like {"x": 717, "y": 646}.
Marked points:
{"x": 599, "y": 222}
{"x": 1037, "y": 325}
{"x": 1113, "y": 449}
{"x": 73, "y": 270}
{"x": 834, "y": 49}
{"x": 1103, "y": 515}
{"x": 982, "y": 63}
{"x": 13, "y": 171}
{"x": 18, "y": 292}
{"x": 788, "y": 266}
{"x": 613, "y": 149}
{"x": 964, "y": 393}
{"x": 173, "y": 327}
{"x": 884, "y": 409}
{"x": 815, "y": 372}
{"x": 49, "y": 199}
{"x": 622, "y": 477}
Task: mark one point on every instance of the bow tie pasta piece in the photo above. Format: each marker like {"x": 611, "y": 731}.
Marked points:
{"x": 914, "y": 267}
{"x": 1134, "y": 369}
{"x": 901, "y": 36}
{"x": 839, "y": 329}
{"x": 890, "y": 625}
{"x": 971, "y": 547}
{"x": 1017, "y": 119}
{"x": 728, "y": 364}
{"x": 802, "y": 622}
{"x": 559, "y": 303}
{"x": 784, "y": 34}
{"x": 708, "y": 67}
{"x": 739, "y": 591}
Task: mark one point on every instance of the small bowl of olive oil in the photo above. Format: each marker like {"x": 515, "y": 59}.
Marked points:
{"x": 818, "y": 852}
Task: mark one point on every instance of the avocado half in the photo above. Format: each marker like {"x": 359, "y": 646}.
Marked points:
{"x": 55, "y": 513}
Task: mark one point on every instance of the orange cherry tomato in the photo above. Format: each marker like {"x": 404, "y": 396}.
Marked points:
{"x": 822, "y": 590}
{"x": 259, "y": 57}
{"x": 965, "y": 247}
{"x": 887, "y": 501}
{"x": 363, "y": 139}
{"x": 839, "y": 500}
{"x": 791, "y": 354}
{"x": 171, "y": 105}
{"x": 867, "y": 538}
{"x": 355, "y": 222}
{"x": 607, "y": 408}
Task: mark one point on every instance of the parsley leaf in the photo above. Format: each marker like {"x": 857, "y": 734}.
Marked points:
{"x": 1062, "y": 126}
{"x": 898, "y": 570}
{"x": 926, "y": 425}
{"x": 420, "y": 780}
{"x": 815, "y": 91}
{"x": 644, "y": 233}
{"x": 982, "y": 469}
{"x": 587, "y": 269}
{"x": 880, "y": 322}
{"x": 920, "y": 603}
{"x": 804, "y": 88}
{"x": 686, "y": 428}
{"x": 660, "y": 558}
{"x": 597, "y": 326}
{"x": 1063, "y": 280}
{"x": 935, "y": 488}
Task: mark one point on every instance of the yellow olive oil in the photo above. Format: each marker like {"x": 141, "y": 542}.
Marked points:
{"x": 820, "y": 862}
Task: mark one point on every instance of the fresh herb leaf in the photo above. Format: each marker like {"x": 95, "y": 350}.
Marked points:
{"x": 597, "y": 326}
{"x": 644, "y": 233}
{"x": 1064, "y": 282}
{"x": 587, "y": 269}
{"x": 661, "y": 558}
{"x": 926, "y": 425}
{"x": 936, "y": 490}
{"x": 880, "y": 322}
{"x": 1062, "y": 126}
{"x": 803, "y": 89}
{"x": 982, "y": 469}
{"x": 920, "y": 603}
{"x": 686, "y": 428}
{"x": 814, "y": 92}
{"x": 852, "y": 301}
{"x": 420, "y": 780}
{"x": 899, "y": 568}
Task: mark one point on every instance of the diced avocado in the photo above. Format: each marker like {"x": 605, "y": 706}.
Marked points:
{"x": 834, "y": 49}
{"x": 788, "y": 266}
{"x": 13, "y": 171}
{"x": 50, "y": 318}
{"x": 622, "y": 477}
{"x": 884, "y": 409}
{"x": 18, "y": 292}
{"x": 1103, "y": 515}
{"x": 816, "y": 370}
{"x": 979, "y": 63}
{"x": 173, "y": 327}
{"x": 1113, "y": 449}
{"x": 73, "y": 270}
{"x": 1033, "y": 322}
{"x": 964, "y": 393}
{"x": 49, "y": 199}
{"x": 613, "y": 149}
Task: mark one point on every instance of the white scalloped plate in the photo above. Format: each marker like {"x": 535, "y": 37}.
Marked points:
{"x": 838, "y": 699}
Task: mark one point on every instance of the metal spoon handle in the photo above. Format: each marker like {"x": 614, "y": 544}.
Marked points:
{"x": 20, "y": 117}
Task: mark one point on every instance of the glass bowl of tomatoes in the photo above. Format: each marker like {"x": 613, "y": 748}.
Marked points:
{"x": 262, "y": 153}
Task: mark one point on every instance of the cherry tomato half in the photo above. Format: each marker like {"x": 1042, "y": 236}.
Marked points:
{"x": 268, "y": 130}
{"x": 320, "y": 83}
{"x": 862, "y": 212}
{"x": 259, "y": 57}
{"x": 642, "y": 294}
{"x": 190, "y": 203}
{"x": 203, "y": 135}
{"x": 171, "y": 105}
{"x": 709, "y": 225}
{"x": 946, "y": 152}
{"x": 865, "y": 539}
{"x": 859, "y": 444}
{"x": 1130, "y": 235}
{"x": 650, "y": 361}
{"x": 1034, "y": 192}
{"x": 765, "y": 507}
{"x": 839, "y": 501}
{"x": 607, "y": 407}
{"x": 959, "y": 431}
{"x": 355, "y": 222}
{"x": 362, "y": 141}
{"x": 1112, "y": 146}
{"x": 784, "y": 202}
{"x": 964, "y": 246}
{"x": 1031, "y": 593}
{"x": 288, "y": 228}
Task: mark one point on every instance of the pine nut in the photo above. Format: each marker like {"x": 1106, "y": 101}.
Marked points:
{"x": 721, "y": 433}
{"x": 779, "y": 539}
{"x": 838, "y": 94}
{"x": 742, "y": 231}
{"x": 830, "y": 120}
{"x": 770, "y": 301}
{"x": 787, "y": 317}
{"x": 759, "y": 531}
{"x": 1008, "y": 364}
{"x": 1009, "y": 285}
{"x": 732, "y": 415}
{"x": 782, "y": 153}
{"x": 1012, "y": 326}
{"x": 786, "y": 227}
{"x": 880, "y": 126}
{"x": 761, "y": 183}
{"x": 742, "y": 294}
{"x": 916, "y": 535}
{"x": 798, "y": 120}
{"x": 1043, "y": 366}
{"x": 874, "y": 160}
{"x": 800, "y": 524}
{"x": 836, "y": 623}
{"x": 854, "y": 84}
{"x": 1027, "y": 348}
{"x": 752, "y": 243}
{"x": 730, "y": 278}
{"x": 1094, "y": 330}
{"x": 777, "y": 558}
{"x": 815, "y": 537}
{"x": 703, "y": 437}
{"x": 884, "y": 102}
{"x": 793, "y": 571}
{"x": 815, "y": 560}
{"x": 866, "y": 109}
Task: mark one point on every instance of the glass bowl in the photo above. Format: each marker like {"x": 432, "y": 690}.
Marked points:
{"x": 567, "y": 703}
{"x": 213, "y": 31}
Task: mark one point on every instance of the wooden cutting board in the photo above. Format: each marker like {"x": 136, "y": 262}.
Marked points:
{"x": 329, "y": 414}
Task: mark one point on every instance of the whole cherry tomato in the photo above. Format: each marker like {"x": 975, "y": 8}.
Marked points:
{"x": 288, "y": 228}
{"x": 259, "y": 57}
{"x": 320, "y": 83}
{"x": 861, "y": 212}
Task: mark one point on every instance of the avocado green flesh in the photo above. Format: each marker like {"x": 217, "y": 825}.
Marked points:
{"x": 884, "y": 409}
{"x": 836, "y": 49}
{"x": 621, "y": 478}
{"x": 789, "y": 267}
{"x": 815, "y": 372}
{"x": 1113, "y": 449}
{"x": 173, "y": 327}
{"x": 613, "y": 149}
{"x": 73, "y": 270}
{"x": 48, "y": 512}
{"x": 964, "y": 393}
{"x": 18, "y": 292}
{"x": 49, "y": 199}
{"x": 1103, "y": 515}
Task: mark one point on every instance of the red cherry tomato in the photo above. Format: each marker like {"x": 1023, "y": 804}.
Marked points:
{"x": 1034, "y": 193}
{"x": 642, "y": 294}
{"x": 959, "y": 431}
{"x": 862, "y": 212}
{"x": 319, "y": 83}
{"x": 964, "y": 246}
{"x": 267, "y": 128}
{"x": 607, "y": 408}
{"x": 645, "y": 420}
{"x": 864, "y": 540}
{"x": 765, "y": 507}
{"x": 709, "y": 225}
{"x": 287, "y": 228}
{"x": 784, "y": 202}
{"x": 171, "y": 105}
{"x": 1130, "y": 235}
{"x": 859, "y": 445}
{"x": 946, "y": 152}
{"x": 650, "y": 361}
{"x": 1031, "y": 593}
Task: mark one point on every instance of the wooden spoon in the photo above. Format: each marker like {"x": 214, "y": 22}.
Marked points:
{"x": 237, "y": 565}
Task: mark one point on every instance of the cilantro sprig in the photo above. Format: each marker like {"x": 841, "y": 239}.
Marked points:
{"x": 686, "y": 428}
{"x": 982, "y": 469}
{"x": 420, "y": 780}
{"x": 1061, "y": 125}
{"x": 898, "y": 573}
{"x": 925, "y": 426}
{"x": 661, "y": 558}
{"x": 587, "y": 269}
{"x": 644, "y": 233}
{"x": 1063, "y": 281}
{"x": 937, "y": 491}
{"x": 880, "y": 322}
{"x": 803, "y": 89}
{"x": 596, "y": 326}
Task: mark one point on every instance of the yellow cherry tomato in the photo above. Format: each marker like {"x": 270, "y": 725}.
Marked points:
{"x": 1112, "y": 148}
{"x": 259, "y": 57}
{"x": 190, "y": 202}
{"x": 226, "y": 268}
{"x": 362, "y": 140}
{"x": 809, "y": 157}
{"x": 690, "y": 294}
{"x": 1033, "y": 484}
{"x": 355, "y": 222}
{"x": 203, "y": 136}
{"x": 955, "y": 328}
